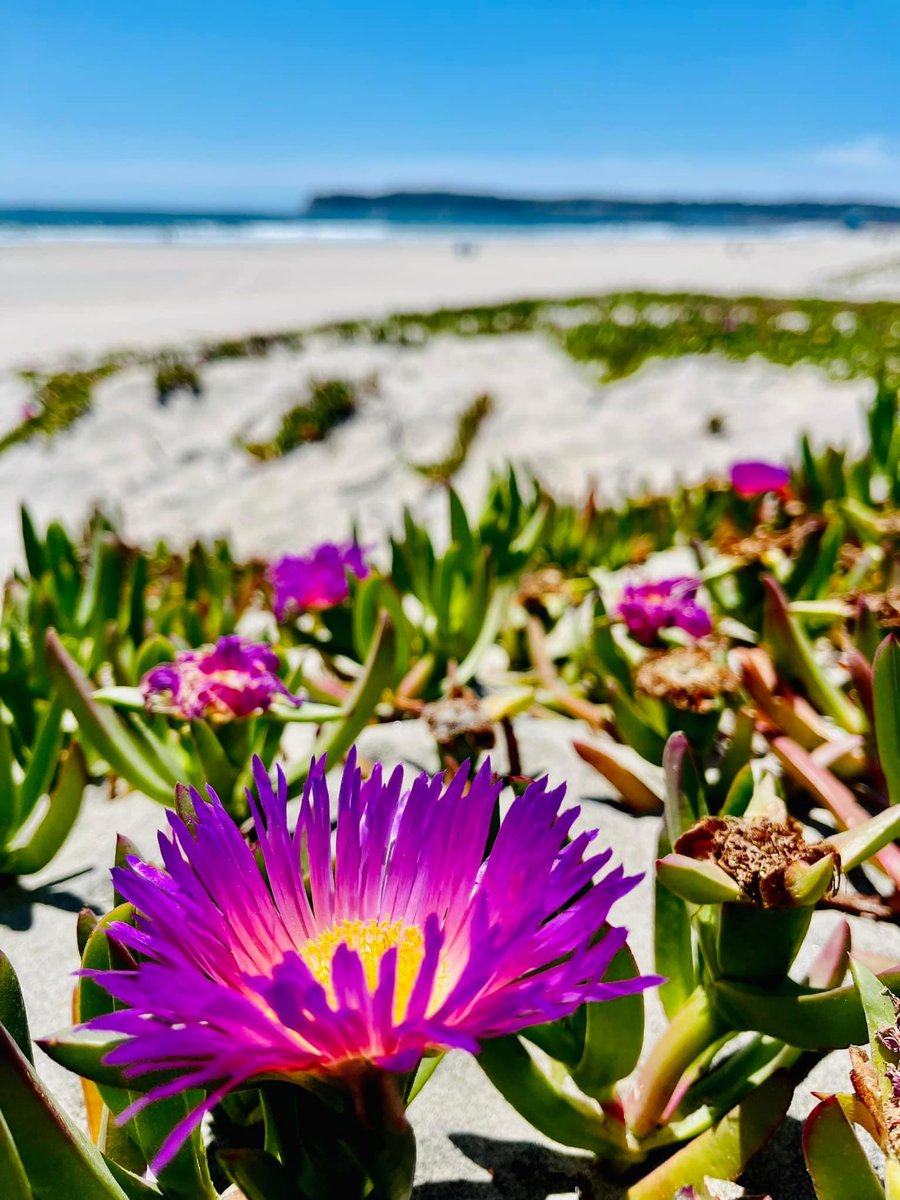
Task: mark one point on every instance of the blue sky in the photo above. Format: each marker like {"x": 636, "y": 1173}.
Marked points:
{"x": 235, "y": 105}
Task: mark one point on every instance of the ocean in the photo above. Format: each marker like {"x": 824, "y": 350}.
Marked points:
{"x": 438, "y": 215}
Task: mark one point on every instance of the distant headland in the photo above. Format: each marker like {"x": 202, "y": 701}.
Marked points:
{"x": 442, "y": 208}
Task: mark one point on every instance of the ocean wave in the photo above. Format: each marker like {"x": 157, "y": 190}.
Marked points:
{"x": 218, "y": 232}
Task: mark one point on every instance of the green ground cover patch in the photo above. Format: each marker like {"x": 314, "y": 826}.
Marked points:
{"x": 618, "y": 332}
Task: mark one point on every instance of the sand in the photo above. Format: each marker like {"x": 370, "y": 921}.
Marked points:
{"x": 180, "y": 472}
{"x": 58, "y": 299}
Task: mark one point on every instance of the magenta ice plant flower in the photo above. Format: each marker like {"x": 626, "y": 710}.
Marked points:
{"x": 317, "y": 580}
{"x": 752, "y": 478}
{"x": 407, "y": 940}
{"x": 234, "y": 678}
{"x": 647, "y": 608}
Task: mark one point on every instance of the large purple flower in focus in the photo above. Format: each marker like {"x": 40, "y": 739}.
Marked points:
{"x": 317, "y": 580}
{"x": 232, "y": 679}
{"x": 649, "y": 607}
{"x": 409, "y": 940}
{"x": 751, "y": 478}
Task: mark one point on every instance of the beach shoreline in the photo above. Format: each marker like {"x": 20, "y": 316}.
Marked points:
{"x": 61, "y": 302}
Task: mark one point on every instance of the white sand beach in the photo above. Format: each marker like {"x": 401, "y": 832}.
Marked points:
{"x": 178, "y": 472}
{"x": 62, "y": 299}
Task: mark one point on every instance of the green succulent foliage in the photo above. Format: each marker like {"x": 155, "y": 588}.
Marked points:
{"x": 329, "y": 403}
{"x": 174, "y": 374}
{"x": 468, "y": 425}
{"x": 450, "y": 597}
{"x": 837, "y": 1163}
{"x": 886, "y": 697}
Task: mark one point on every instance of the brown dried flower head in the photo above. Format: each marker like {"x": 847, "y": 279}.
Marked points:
{"x": 755, "y": 851}
{"x": 884, "y": 607}
{"x": 536, "y": 586}
{"x": 459, "y": 716}
{"x": 689, "y": 677}
{"x": 764, "y": 542}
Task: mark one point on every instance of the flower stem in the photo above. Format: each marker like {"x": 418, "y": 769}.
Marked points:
{"x": 694, "y": 1027}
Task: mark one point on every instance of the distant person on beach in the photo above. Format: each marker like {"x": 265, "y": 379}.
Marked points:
{"x": 465, "y": 249}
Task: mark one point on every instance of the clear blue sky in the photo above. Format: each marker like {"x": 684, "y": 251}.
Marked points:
{"x": 257, "y": 105}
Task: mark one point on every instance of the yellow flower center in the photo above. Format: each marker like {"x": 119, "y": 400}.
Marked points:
{"x": 371, "y": 940}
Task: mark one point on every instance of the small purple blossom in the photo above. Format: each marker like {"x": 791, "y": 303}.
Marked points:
{"x": 232, "y": 679}
{"x": 751, "y": 478}
{"x": 647, "y": 608}
{"x": 406, "y": 939}
{"x": 317, "y": 580}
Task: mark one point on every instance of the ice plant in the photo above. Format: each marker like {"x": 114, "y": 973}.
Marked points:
{"x": 410, "y": 941}
{"x": 234, "y": 678}
{"x": 694, "y": 678}
{"x": 753, "y": 478}
{"x": 647, "y": 608}
{"x": 837, "y": 1163}
{"x": 317, "y": 580}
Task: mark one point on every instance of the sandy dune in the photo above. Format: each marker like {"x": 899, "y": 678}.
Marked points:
{"x": 178, "y": 472}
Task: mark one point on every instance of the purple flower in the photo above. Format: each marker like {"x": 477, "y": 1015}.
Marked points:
{"x": 409, "y": 940}
{"x": 317, "y": 580}
{"x": 234, "y": 678}
{"x": 750, "y": 479}
{"x": 649, "y": 607}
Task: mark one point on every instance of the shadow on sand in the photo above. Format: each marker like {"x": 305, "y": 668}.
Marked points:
{"x": 521, "y": 1171}
{"x": 17, "y": 903}
{"x": 526, "y": 1171}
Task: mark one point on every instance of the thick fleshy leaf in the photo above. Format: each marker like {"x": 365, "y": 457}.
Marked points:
{"x": 44, "y": 758}
{"x": 792, "y": 651}
{"x": 862, "y": 841}
{"x": 62, "y": 812}
{"x": 133, "y": 1187}
{"x": 82, "y": 1051}
{"x": 879, "y": 1013}
{"x": 673, "y": 942}
{"x": 760, "y": 943}
{"x": 637, "y": 727}
{"x": 565, "y": 1119}
{"x": 129, "y": 698}
{"x": 800, "y": 1016}
{"x": 836, "y": 1162}
{"x": 10, "y": 801}
{"x": 12, "y": 1172}
{"x": 694, "y": 1029}
{"x": 699, "y": 882}
{"x": 613, "y": 1034}
{"x": 835, "y": 796}
{"x": 634, "y": 780}
{"x": 725, "y": 1149}
{"x": 830, "y": 965}
{"x": 13, "y": 1017}
{"x": 32, "y": 545}
{"x": 887, "y": 713}
{"x": 259, "y": 1175}
{"x": 685, "y": 803}
{"x": 59, "y": 1160}
{"x": 487, "y": 634}
{"x": 806, "y": 883}
{"x": 103, "y": 729}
